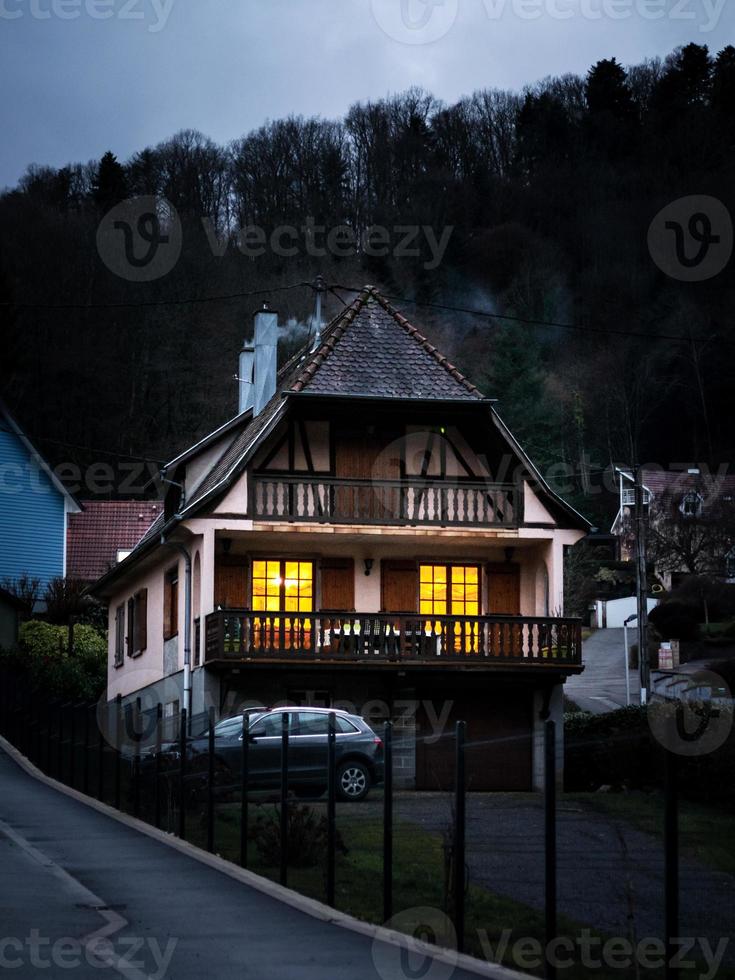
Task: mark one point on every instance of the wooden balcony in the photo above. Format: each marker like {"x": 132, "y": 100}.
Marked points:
{"x": 376, "y": 639}
{"x": 396, "y": 502}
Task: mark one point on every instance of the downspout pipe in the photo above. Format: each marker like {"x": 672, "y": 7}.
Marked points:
{"x": 187, "y": 621}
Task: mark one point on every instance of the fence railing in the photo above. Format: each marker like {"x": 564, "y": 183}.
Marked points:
{"x": 415, "y": 500}
{"x": 155, "y": 768}
{"x": 239, "y": 634}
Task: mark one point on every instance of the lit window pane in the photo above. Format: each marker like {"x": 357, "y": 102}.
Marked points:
{"x": 274, "y": 569}
{"x": 440, "y": 573}
{"x": 305, "y": 569}
{"x": 471, "y": 575}
{"x": 258, "y": 569}
{"x": 292, "y": 569}
{"x": 258, "y": 603}
{"x": 425, "y": 573}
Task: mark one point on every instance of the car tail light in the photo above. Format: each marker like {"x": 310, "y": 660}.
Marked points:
{"x": 378, "y": 741}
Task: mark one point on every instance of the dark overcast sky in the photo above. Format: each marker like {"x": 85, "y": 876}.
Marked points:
{"x": 83, "y": 76}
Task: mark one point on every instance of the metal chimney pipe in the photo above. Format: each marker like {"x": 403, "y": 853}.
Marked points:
{"x": 245, "y": 377}
{"x": 266, "y": 346}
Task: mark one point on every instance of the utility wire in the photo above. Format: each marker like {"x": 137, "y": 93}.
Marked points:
{"x": 152, "y": 303}
{"x": 585, "y": 328}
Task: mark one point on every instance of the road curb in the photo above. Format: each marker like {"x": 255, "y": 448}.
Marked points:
{"x": 309, "y": 906}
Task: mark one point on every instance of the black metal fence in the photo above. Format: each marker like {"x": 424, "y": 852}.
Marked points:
{"x": 141, "y": 763}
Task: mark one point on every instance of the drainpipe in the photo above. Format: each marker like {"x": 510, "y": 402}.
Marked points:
{"x": 187, "y": 622}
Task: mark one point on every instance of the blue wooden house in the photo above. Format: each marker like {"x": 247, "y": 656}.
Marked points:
{"x": 34, "y": 508}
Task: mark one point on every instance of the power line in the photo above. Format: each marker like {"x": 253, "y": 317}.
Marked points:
{"x": 194, "y": 300}
{"x": 585, "y": 328}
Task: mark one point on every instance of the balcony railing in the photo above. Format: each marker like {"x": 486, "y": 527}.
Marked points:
{"x": 370, "y": 638}
{"x": 413, "y": 501}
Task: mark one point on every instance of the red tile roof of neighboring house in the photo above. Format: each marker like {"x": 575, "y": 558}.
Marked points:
{"x": 102, "y": 529}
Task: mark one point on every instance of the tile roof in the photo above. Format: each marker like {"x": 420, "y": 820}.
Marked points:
{"x": 678, "y": 482}
{"x": 372, "y": 350}
{"x": 102, "y": 529}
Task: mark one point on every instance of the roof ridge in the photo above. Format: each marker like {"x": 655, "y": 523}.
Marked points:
{"x": 430, "y": 348}
{"x": 340, "y": 324}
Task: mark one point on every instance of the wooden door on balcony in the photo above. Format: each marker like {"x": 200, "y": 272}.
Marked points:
{"x": 337, "y": 584}
{"x": 231, "y": 582}
{"x": 504, "y": 599}
{"x": 498, "y": 742}
{"x": 399, "y": 586}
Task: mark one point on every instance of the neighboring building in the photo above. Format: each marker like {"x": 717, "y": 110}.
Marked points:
{"x": 34, "y": 509}
{"x": 104, "y": 532}
{"x": 10, "y": 612}
{"x": 366, "y": 532}
{"x": 690, "y": 517}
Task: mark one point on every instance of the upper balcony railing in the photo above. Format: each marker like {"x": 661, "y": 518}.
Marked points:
{"x": 333, "y": 500}
{"x": 375, "y": 638}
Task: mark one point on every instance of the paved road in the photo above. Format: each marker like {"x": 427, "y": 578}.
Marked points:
{"x": 601, "y": 686}
{"x": 68, "y": 872}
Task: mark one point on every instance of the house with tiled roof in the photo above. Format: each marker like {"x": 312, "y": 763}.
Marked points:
{"x": 365, "y": 533}
{"x": 104, "y": 532}
{"x": 690, "y": 517}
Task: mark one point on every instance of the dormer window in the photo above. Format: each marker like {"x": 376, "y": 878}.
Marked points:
{"x": 691, "y": 504}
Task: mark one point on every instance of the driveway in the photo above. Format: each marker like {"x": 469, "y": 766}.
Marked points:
{"x": 601, "y": 686}
{"x": 610, "y": 877}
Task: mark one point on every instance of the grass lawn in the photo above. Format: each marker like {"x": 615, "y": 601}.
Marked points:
{"x": 419, "y": 880}
{"x": 705, "y": 832}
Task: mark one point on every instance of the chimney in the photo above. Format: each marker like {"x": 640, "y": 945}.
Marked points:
{"x": 245, "y": 377}
{"x": 266, "y": 343}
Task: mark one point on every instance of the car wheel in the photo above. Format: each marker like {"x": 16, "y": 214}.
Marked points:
{"x": 353, "y": 781}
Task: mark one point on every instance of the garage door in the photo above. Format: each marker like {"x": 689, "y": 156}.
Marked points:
{"x": 498, "y": 753}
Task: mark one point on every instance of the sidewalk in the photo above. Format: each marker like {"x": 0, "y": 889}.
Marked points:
{"x": 70, "y": 872}
{"x": 601, "y": 685}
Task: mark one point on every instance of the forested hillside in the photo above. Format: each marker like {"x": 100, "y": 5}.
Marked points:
{"x": 549, "y": 194}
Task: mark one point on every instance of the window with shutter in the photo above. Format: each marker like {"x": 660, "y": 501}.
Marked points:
{"x": 130, "y": 637}
{"x": 141, "y": 620}
{"x": 171, "y": 603}
{"x": 120, "y": 635}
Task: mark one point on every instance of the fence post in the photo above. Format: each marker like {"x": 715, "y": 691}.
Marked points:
{"x": 459, "y": 835}
{"x": 182, "y": 776}
{"x": 284, "y": 797}
{"x": 210, "y": 783}
{"x": 60, "y": 745}
{"x": 72, "y": 738}
{"x": 157, "y": 769}
{"x": 137, "y": 727}
{"x": 331, "y": 804}
{"x": 244, "y": 791}
{"x": 550, "y": 844}
{"x": 388, "y": 822}
{"x": 85, "y": 764}
{"x": 101, "y": 751}
{"x": 671, "y": 860}
{"x": 118, "y": 748}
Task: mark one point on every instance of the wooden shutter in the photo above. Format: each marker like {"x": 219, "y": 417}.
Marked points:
{"x": 231, "y": 583}
{"x": 338, "y": 584}
{"x": 504, "y": 589}
{"x": 171, "y": 603}
{"x": 131, "y": 627}
{"x": 141, "y": 620}
{"x": 399, "y": 585}
{"x": 119, "y": 634}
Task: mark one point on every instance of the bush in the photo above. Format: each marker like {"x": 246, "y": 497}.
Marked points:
{"x": 307, "y": 837}
{"x": 676, "y": 620}
{"x": 42, "y": 655}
